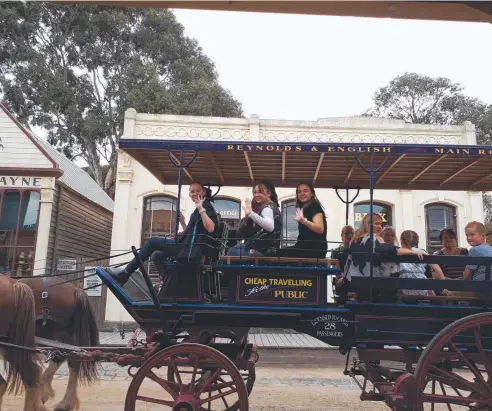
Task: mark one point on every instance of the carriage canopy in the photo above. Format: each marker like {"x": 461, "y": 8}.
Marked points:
{"x": 403, "y": 166}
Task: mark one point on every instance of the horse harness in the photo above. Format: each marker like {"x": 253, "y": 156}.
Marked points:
{"x": 45, "y": 311}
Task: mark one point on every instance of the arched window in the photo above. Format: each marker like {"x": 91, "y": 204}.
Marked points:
{"x": 229, "y": 210}
{"x": 384, "y": 210}
{"x": 289, "y": 225}
{"x": 159, "y": 217}
{"x": 230, "y": 213}
{"x": 437, "y": 217}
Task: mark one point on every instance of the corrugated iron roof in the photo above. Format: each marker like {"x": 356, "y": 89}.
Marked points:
{"x": 77, "y": 179}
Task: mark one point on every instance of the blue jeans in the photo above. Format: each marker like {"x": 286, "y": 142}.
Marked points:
{"x": 159, "y": 248}
{"x": 242, "y": 250}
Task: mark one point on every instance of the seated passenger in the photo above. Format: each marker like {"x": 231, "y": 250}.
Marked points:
{"x": 356, "y": 265}
{"x": 191, "y": 244}
{"x": 449, "y": 244}
{"x": 341, "y": 252}
{"x": 410, "y": 239}
{"x": 388, "y": 234}
{"x": 476, "y": 237}
{"x": 261, "y": 227}
{"x": 311, "y": 222}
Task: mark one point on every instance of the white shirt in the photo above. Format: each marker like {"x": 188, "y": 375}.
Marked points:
{"x": 264, "y": 219}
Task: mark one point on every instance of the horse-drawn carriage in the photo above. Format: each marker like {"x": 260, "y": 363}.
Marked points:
{"x": 412, "y": 352}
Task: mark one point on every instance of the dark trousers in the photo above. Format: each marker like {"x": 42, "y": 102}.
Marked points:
{"x": 160, "y": 249}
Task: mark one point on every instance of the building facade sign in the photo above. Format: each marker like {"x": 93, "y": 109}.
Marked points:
{"x": 92, "y": 284}
{"x": 25, "y": 182}
{"x": 66, "y": 265}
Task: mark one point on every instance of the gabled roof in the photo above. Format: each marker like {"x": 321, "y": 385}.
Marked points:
{"x": 73, "y": 176}
{"x": 77, "y": 179}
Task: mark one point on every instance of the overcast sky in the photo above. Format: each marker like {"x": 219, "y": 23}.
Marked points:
{"x": 304, "y": 67}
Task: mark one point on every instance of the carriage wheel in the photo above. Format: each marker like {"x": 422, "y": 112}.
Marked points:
{"x": 455, "y": 370}
{"x": 249, "y": 377}
{"x": 204, "y": 380}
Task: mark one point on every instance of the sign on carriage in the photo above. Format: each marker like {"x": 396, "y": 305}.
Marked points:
{"x": 291, "y": 289}
{"x": 66, "y": 265}
{"x": 93, "y": 281}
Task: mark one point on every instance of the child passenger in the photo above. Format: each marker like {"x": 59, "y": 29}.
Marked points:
{"x": 389, "y": 269}
{"x": 410, "y": 239}
{"x": 341, "y": 252}
{"x": 477, "y": 238}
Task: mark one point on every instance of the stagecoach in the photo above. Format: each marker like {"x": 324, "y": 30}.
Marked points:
{"x": 412, "y": 352}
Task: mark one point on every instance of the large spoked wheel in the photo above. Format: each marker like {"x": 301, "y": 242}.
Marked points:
{"x": 455, "y": 371}
{"x": 249, "y": 377}
{"x": 204, "y": 380}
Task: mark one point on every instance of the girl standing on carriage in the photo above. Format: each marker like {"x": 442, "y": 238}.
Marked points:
{"x": 261, "y": 227}
{"x": 192, "y": 243}
{"x": 311, "y": 220}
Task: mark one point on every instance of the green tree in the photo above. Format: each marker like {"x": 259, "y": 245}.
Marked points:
{"x": 421, "y": 99}
{"x": 74, "y": 69}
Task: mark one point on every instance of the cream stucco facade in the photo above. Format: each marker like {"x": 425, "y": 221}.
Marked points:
{"x": 135, "y": 182}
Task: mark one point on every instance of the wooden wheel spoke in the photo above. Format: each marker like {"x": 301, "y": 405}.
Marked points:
{"x": 217, "y": 386}
{"x": 454, "y": 379}
{"x": 170, "y": 387}
{"x": 483, "y": 354}
{"x": 195, "y": 368}
{"x": 224, "y": 400}
{"x": 208, "y": 381}
{"x": 471, "y": 366}
{"x": 445, "y": 393}
{"x": 433, "y": 392}
{"x": 178, "y": 376}
{"x": 155, "y": 400}
{"x": 217, "y": 396}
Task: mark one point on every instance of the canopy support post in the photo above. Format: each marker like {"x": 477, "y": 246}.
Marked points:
{"x": 372, "y": 173}
{"x": 180, "y": 166}
{"x": 346, "y": 201}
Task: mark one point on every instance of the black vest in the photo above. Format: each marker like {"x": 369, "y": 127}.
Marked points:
{"x": 259, "y": 239}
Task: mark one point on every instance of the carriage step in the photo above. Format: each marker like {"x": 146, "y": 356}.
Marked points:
{"x": 56, "y": 344}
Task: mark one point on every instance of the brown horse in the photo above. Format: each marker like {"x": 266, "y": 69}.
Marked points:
{"x": 17, "y": 326}
{"x": 66, "y": 316}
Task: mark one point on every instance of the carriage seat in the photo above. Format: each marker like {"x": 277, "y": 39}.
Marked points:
{"x": 440, "y": 300}
{"x": 192, "y": 284}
